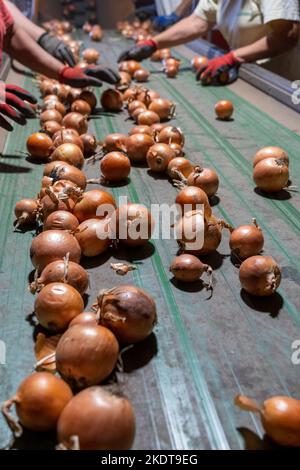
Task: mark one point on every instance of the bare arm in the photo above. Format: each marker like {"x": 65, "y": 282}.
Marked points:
{"x": 182, "y": 32}
{"x": 20, "y": 46}
{"x": 184, "y": 8}
{"x": 32, "y": 29}
{"x": 283, "y": 36}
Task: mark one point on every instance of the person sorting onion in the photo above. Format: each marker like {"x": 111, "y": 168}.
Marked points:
{"x": 16, "y": 41}
{"x": 254, "y": 29}
{"x": 163, "y": 22}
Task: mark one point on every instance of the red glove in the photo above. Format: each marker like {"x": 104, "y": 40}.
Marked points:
{"x": 90, "y": 76}
{"x": 12, "y": 105}
{"x": 218, "y": 65}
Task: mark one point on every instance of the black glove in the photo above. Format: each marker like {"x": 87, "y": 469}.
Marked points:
{"x": 90, "y": 76}
{"x": 57, "y": 48}
{"x": 142, "y": 50}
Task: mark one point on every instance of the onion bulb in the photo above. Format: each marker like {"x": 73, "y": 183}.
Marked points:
{"x": 69, "y": 153}
{"x": 111, "y": 100}
{"x": 53, "y": 245}
{"x": 159, "y": 157}
{"x": 114, "y": 143}
{"x": 88, "y": 96}
{"x": 224, "y": 109}
{"x": 39, "y": 146}
{"x": 90, "y": 144}
{"x": 84, "y": 318}
{"x": 138, "y": 146}
{"x": 165, "y": 109}
{"x": 91, "y": 56}
{"x": 188, "y": 268}
{"x": 26, "y": 212}
{"x": 63, "y": 171}
{"x": 50, "y": 127}
{"x": 179, "y": 167}
{"x": 92, "y": 203}
{"x": 191, "y": 198}
{"x": 205, "y": 179}
{"x": 61, "y": 220}
{"x": 81, "y": 107}
{"x": 54, "y": 104}
{"x": 271, "y": 175}
{"x": 86, "y": 355}
{"x": 93, "y": 237}
{"x": 51, "y": 115}
{"x": 247, "y": 240}
{"x": 39, "y": 402}
{"x": 141, "y": 75}
{"x": 199, "y": 62}
{"x": 271, "y": 152}
{"x": 147, "y": 118}
{"x": 129, "y": 312}
{"x": 65, "y": 137}
{"x": 171, "y": 134}
{"x": 280, "y": 417}
{"x": 100, "y": 420}
{"x": 115, "y": 167}
{"x": 141, "y": 130}
{"x": 132, "y": 225}
{"x": 260, "y": 275}
{"x": 76, "y": 121}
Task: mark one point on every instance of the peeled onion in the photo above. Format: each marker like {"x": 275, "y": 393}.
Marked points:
{"x": 247, "y": 240}
{"x": 271, "y": 175}
{"x": 90, "y": 205}
{"x": 86, "y": 355}
{"x": 260, "y": 275}
{"x": 93, "y": 237}
{"x": 129, "y": 312}
{"x": 100, "y": 420}
{"x": 205, "y": 179}
{"x": 159, "y": 157}
{"x": 115, "y": 167}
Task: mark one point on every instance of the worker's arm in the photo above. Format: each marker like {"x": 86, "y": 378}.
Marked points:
{"x": 186, "y": 30}
{"x": 31, "y": 28}
{"x": 165, "y": 21}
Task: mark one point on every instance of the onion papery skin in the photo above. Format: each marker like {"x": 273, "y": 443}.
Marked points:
{"x": 271, "y": 152}
{"x": 271, "y": 175}
{"x": 115, "y": 143}
{"x": 179, "y": 164}
{"x": 205, "y": 179}
{"x": 63, "y": 171}
{"x": 56, "y": 305}
{"x": 115, "y": 167}
{"x": 129, "y": 312}
{"x": 70, "y": 273}
{"x": 246, "y": 241}
{"x": 93, "y": 237}
{"x": 260, "y": 276}
{"x": 86, "y": 355}
{"x": 137, "y": 147}
{"x": 53, "y": 245}
{"x": 102, "y": 421}
{"x": 111, "y": 100}
{"x": 191, "y": 197}
{"x": 39, "y": 146}
{"x": 159, "y": 156}
{"x": 69, "y": 153}
{"x": 91, "y": 203}
{"x": 76, "y": 121}
{"x": 61, "y": 220}
{"x": 132, "y": 225}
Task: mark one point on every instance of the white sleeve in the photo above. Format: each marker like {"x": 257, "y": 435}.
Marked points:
{"x": 280, "y": 10}
{"x": 207, "y": 10}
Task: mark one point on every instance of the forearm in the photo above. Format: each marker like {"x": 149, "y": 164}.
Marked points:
{"x": 32, "y": 29}
{"x": 184, "y": 8}
{"x": 182, "y": 32}
{"x": 20, "y": 46}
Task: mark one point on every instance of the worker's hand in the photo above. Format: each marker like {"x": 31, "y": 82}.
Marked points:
{"x": 142, "y": 50}
{"x": 162, "y": 22}
{"x": 223, "y": 69}
{"x": 13, "y": 106}
{"x": 57, "y": 48}
{"x": 91, "y": 76}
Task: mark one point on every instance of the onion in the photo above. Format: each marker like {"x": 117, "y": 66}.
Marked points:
{"x": 171, "y": 71}
{"x": 165, "y": 109}
{"x": 171, "y": 134}
{"x": 280, "y": 417}
{"x": 86, "y": 355}
{"x": 179, "y": 167}
{"x": 89, "y": 97}
{"x": 205, "y": 179}
{"x": 188, "y": 268}
{"x": 89, "y": 143}
{"x": 130, "y": 94}
{"x": 26, "y": 212}
{"x": 64, "y": 137}
{"x": 159, "y": 157}
{"x": 271, "y": 152}
{"x": 53, "y": 245}
{"x": 93, "y": 237}
{"x": 65, "y": 272}
{"x": 129, "y": 312}
{"x": 39, "y": 401}
{"x": 51, "y": 115}
{"x": 64, "y": 171}
{"x": 100, "y": 420}
{"x": 141, "y": 130}
{"x": 54, "y": 104}
{"x": 125, "y": 80}
{"x": 179, "y": 152}
{"x": 50, "y": 98}
{"x": 69, "y": 153}
{"x": 165, "y": 54}
{"x": 247, "y": 240}
{"x": 50, "y": 127}
{"x": 135, "y": 114}
{"x": 199, "y": 62}
{"x": 56, "y": 305}
{"x": 61, "y": 220}
{"x": 76, "y": 121}
{"x": 147, "y": 118}
{"x": 85, "y": 318}
{"x": 260, "y": 275}
{"x": 96, "y": 34}
{"x": 132, "y": 66}
{"x": 132, "y": 225}
{"x": 134, "y": 104}
{"x": 63, "y": 133}
{"x": 39, "y": 146}
{"x": 172, "y": 62}
{"x": 115, "y": 143}
{"x": 271, "y": 175}
{"x": 141, "y": 75}
{"x": 156, "y": 56}
{"x": 190, "y": 197}
{"x": 82, "y": 107}
{"x": 76, "y": 93}
{"x": 138, "y": 146}
{"x": 54, "y": 201}
{"x": 115, "y": 167}
{"x": 90, "y": 204}
{"x": 91, "y": 56}
{"x": 87, "y": 27}
{"x": 111, "y": 100}
{"x": 224, "y": 109}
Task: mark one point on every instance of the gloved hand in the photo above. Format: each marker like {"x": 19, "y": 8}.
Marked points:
{"x": 162, "y": 22}
{"x": 13, "y": 106}
{"x": 57, "y": 48}
{"x": 91, "y": 76}
{"x": 142, "y": 50}
{"x": 224, "y": 66}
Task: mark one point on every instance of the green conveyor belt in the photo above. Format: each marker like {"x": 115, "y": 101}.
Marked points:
{"x": 182, "y": 381}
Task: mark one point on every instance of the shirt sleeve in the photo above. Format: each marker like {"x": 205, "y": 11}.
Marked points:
{"x": 6, "y": 17}
{"x": 280, "y": 10}
{"x": 207, "y": 10}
